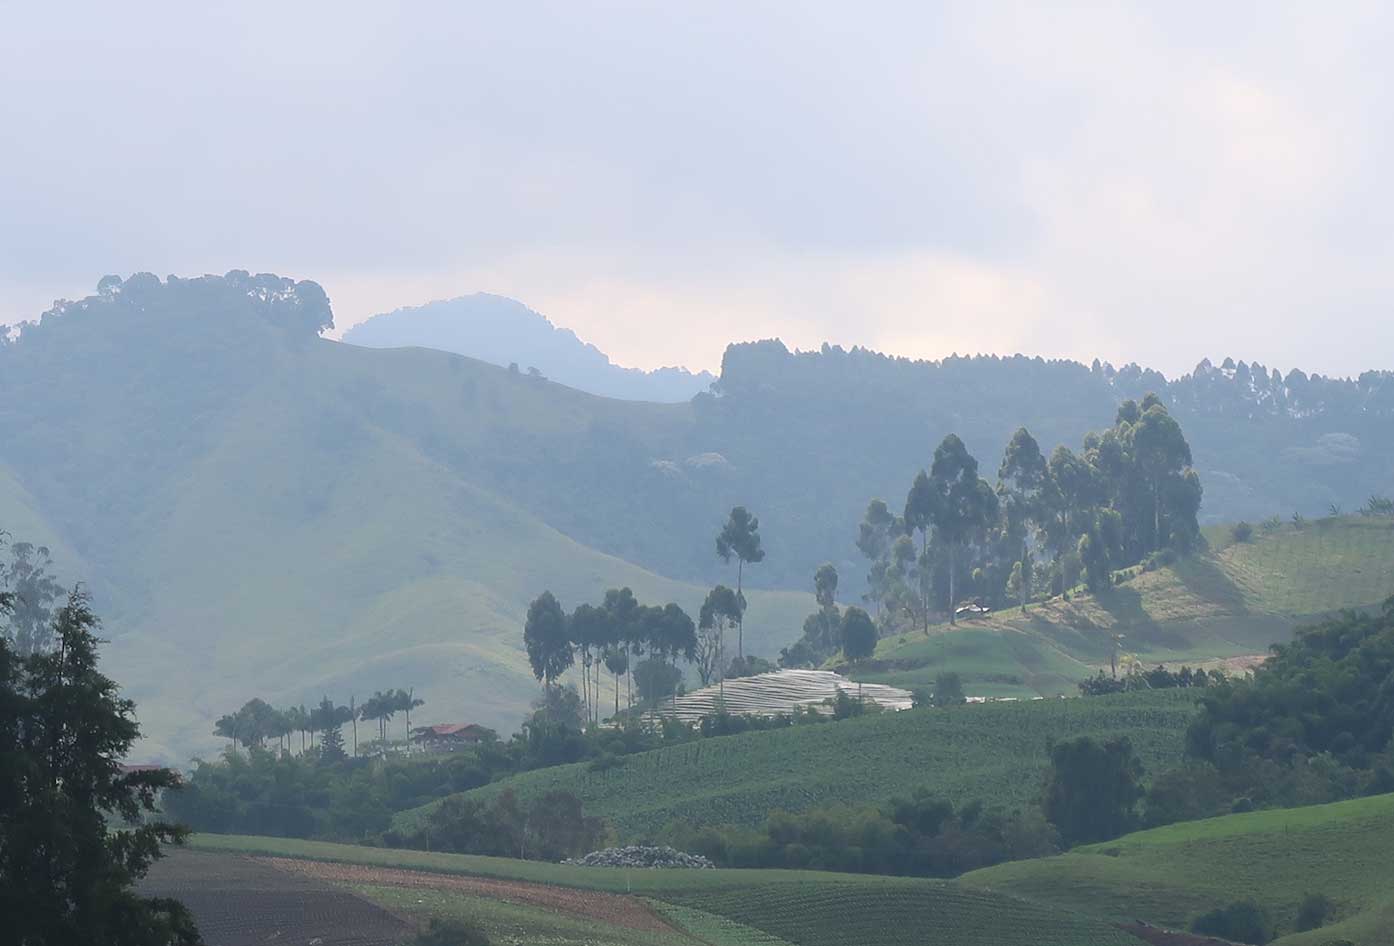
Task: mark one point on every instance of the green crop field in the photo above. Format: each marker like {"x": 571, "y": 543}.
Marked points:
{"x": 994, "y": 752}
{"x": 1169, "y": 875}
{"x": 732, "y": 907}
{"x": 1236, "y": 599}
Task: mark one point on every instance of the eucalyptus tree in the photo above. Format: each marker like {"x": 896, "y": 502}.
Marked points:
{"x": 589, "y": 628}
{"x": 550, "y": 651}
{"x": 1022, "y": 481}
{"x": 1162, "y": 454}
{"x": 920, "y": 506}
{"x": 720, "y": 611}
{"x": 964, "y": 504}
{"x": 625, "y": 613}
{"x": 740, "y": 537}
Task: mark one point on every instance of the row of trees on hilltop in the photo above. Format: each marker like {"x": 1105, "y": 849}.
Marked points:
{"x": 257, "y": 721}
{"x": 1128, "y": 494}
{"x": 614, "y": 633}
{"x": 607, "y": 636}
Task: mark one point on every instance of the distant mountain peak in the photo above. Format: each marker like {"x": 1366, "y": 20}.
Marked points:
{"x": 504, "y": 331}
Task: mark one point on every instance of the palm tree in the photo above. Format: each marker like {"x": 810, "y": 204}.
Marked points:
{"x": 406, "y": 700}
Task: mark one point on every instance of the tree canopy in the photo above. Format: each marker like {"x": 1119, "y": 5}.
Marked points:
{"x": 76, "y": 829}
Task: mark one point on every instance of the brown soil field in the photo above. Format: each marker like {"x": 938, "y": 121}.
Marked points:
{"x": 243, "y": 901}
{"x": 613, "y": 909}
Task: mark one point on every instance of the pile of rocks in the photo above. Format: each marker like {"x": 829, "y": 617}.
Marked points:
{"x": 642, "y": 857}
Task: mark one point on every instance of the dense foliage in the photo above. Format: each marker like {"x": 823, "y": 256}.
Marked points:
{"x": 1092, "y": 789}
{"x": 549, "y": 828}
{"x": 920, "y": 835}
{"x": 76, "y": 829}
{"x": 1129, "y": 495}
{"x": 1315, "y": 722}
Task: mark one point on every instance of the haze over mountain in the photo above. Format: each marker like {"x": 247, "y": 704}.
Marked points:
{"x": 181, "y": 443}
{"x": 503, "y": 331}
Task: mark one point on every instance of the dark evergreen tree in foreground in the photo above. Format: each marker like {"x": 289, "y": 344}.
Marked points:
{"x": 76, "y": 831}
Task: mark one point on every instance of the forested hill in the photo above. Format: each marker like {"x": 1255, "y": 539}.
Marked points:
{"x": 858, "y": 423}
{"x": 256, "y": 506}
{"x": 503, "y": 332}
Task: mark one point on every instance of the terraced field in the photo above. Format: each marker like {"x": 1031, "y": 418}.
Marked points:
{"x": 993, "y": 752}
{"x": 1169, "y": 875}
{"x": 717, "y": 908}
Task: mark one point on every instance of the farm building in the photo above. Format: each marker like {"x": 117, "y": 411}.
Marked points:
{"x": 446, "y": 737}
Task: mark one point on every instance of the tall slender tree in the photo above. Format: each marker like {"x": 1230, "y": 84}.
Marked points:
{"x": 720, "y": 611}
{"x": 964, "y": 504}
{"x": 920, "y": 506}
{"x": 1021, "y": 489}
{"x": 545, "y": 636}
{"x": 740, "y": 537}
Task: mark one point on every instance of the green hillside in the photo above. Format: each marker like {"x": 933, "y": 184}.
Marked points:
{"x": 1169, "y": 875}
{"x": 261, "y": 515}
{"x": 1234, "y": 600}
{"x": 261, "y": 511}
{"x": 807, "y": 908}
{"x": 995, "y": 753}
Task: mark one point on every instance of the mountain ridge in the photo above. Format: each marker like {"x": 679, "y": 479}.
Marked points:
{"x": 503, "y": 331}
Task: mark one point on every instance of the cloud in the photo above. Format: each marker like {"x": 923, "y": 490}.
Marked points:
{"x": 1133, "y": 182}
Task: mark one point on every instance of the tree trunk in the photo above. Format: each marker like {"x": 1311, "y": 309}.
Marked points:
{"x": 617, "y": 696}
{"x": 953, "y": 568}
{"x": 740, "y": 611}
{"x": 1025, "y": 576}
{"x": 586, "y": 681}
{"x": 355, "y": 735}
{"x": 926, "y": 578}
{"x": 1156, "y": 514}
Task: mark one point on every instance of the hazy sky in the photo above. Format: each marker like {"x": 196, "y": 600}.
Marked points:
{"x": 1154, "y": 183}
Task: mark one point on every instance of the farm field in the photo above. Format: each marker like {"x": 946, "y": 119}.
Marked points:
{"x": 1169, "y": 875}
{"x": 238, "y": 901}
{"x": 719, "y": 907}
{"x": 1236, "y": 599}
{"x": 993, "y": 752}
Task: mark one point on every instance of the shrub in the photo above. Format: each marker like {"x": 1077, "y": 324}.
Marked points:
{"x": 452, "y": 933}
{"x": 1243, "y": 922}
{"x": 1313, "y": 912}
{"x": 1242, "y": 532}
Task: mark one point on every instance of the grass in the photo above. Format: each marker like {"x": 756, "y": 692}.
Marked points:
{"x": 513, "y": 924}
{"x": 1234, "y": 600}
{"x": 733, "y": 907}
{"x": 993, "y": 752}
{"x": 1169, "y": 875}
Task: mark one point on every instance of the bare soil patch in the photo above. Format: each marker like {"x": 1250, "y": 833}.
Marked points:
{"x": 614, "y": 909}
{"x": 238, "y": 901}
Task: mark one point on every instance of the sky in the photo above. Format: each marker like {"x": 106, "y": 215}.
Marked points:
{"x": 1154, "y": 183}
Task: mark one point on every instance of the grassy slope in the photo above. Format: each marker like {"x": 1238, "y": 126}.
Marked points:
{"x": 1169, "y": 875}
{"x": 1231, "y": 601}
{"x": 313, "y": 549}
{"x": 993, "y": 752}
{"x": 811, "y": 909}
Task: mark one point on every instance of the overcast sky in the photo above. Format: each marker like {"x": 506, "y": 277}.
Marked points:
{"x": 1155, "y": 183}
